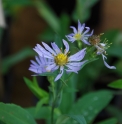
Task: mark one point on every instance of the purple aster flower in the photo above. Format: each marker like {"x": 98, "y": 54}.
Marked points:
{"x": 80, "y": 33}
{"x": 39, "y": 66}
{"x": 54, "y": 59}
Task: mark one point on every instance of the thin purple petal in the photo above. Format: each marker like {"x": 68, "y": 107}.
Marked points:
{"x": 61, "y": 73}
{"x": 77, "y": 63}
{"x": 80, "y": 27}
{"x": 87, "y": 30}
{"x": 108, "y": 66}
{"x": 86, "y": 42}
{"x": 48, "y": 48}
{"x": 55, "y": 68}
{"x": 56, "y": 48}
{"x": 88, "y": 35}
{"x": 74, "y": 29}
{"x": 50, "y": 67}
{"x": 66, "y": 46}
{"x": 42, "y": 52}
{"x": 34, "y": 63}
{"x": 70, "y": 38}
{"x": 78, "y": 56}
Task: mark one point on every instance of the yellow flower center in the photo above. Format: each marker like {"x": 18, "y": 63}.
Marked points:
{"x": 77, "y": 36}
{"x": 61, "y": 59}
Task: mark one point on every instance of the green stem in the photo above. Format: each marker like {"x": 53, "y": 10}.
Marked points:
{"x": 79, "y": 43}
{"x": 53, "y": 105}
{"x": 52, "y": 114}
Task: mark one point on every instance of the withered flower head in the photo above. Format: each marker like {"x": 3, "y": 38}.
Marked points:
{"x": 101, "y": 47}
{"x": 95, "y": 39}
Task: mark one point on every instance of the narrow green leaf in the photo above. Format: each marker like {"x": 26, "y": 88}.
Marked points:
{"x": 10, "y": 61}
{"x": 62, "y": 119}
{"x": 55, "y": 92}
{"x": 36, "y": 90}
{"x": 40, "y": 103}
{"x": 109, "y": 121}
{"x": 13, "y": 114}
{"x": 43, "y": 93}
{"x": 91, "y": 104}
{"x": 64, "y": 22}
{"x": 68, "y": 97}
{"x": 79, "y": 118}
{"x": 116, "y": 84}
{"x": 44, "y": 112}
{"x": 35, "y": 81}
{"x": 82, "y": 10}
{"x": 58, "y": 100}
{"x": 47, "y": 13}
